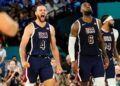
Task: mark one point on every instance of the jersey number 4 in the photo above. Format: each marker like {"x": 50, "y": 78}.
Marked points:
{"x": 42, "y": 45}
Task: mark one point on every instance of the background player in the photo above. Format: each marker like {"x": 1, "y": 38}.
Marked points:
{"x": 110, "y": 36}
{"x": 90, "y": 41}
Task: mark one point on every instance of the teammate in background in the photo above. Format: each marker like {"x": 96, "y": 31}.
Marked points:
{"x": 110, "y": 36}
{"x": 91, "y": 45}
{"x": 7, "y": 25}
{"x": 42, "y": 36}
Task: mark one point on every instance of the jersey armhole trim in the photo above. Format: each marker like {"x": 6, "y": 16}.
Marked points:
{"x": 33, "y": 29}
{"x": 79, "y": 27}
{"x": 97, "y": 23}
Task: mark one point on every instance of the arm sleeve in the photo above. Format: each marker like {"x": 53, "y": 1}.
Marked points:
{"x": 71, "y": 48}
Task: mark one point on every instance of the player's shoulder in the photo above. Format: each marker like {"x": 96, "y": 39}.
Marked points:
{"x": 115, "y": 31}
{"x": 97, "y": 19}
{"x": 51, "y": 27}
{"x": 29, "y": 28}
{"x": 75, "y": 27}
{"x": 76, "y": 22}
{"x": 30, "y": 25}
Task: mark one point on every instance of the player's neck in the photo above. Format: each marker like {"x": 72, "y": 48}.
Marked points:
{"x": 87, "y": 19}
{"x": 106, "y": 28}
{"x": 41, "y": 24}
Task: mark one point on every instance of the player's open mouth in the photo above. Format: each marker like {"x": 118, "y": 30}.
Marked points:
{"x": 42, "y": 16}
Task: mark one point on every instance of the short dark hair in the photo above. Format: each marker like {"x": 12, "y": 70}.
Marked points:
{"x": 39, "y": 4}
{"x": 104, "y": 17}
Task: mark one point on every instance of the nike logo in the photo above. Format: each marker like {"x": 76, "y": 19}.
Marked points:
{"x": 83, "y": 24}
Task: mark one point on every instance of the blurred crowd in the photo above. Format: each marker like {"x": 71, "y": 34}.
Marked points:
{"x": 22, "y": 11}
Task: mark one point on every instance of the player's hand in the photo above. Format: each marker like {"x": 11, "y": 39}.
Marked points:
{"x": 106, "y": 62}
{"x": 74, "y": 66}
{"x": 25, "y": 64}
{"x": 59, "y": 69}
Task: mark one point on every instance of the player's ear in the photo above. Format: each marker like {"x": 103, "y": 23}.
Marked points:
{"x": 35, "y": 13}
{"x": 81, "y": 10}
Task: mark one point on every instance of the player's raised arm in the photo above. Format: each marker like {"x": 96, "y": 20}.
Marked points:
{"x": 7, "y": 25}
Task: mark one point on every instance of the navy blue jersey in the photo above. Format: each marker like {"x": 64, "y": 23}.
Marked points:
{"x": 88, "y": 40}
{"x": 109, "y": 41}
{"x": 40, "y": 40}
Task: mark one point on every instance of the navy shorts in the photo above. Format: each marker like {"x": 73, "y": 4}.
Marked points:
{"x": 39, "y": 66}
{"x": 91, "y": 66}
{"x": 110, "y": 71}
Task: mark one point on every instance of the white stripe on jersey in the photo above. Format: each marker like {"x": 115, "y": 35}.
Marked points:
{"x": 32, "y": 39}
{"x": 79, "y": 48}
{"x": 79, "y": 42}
{"x": 97, "y": 21}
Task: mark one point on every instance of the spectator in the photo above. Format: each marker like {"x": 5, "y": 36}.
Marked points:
{"x": 2, "y": 52}
{"x": 13, "y": 76}
{"x": 55, "y": 1}
{"x": 117, "y": 71}
{"x": 2, "y": 69}
{"x": 66, "y": 65}
{"x": 17, "y": 62}
{"x": 61, "y": 6}
{"x": 51, "y": 7}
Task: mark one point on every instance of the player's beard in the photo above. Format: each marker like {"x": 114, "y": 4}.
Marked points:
{"x": 111, "y": 25}
{"x": 88, "y": 12}
{"x": 41, "y": 19}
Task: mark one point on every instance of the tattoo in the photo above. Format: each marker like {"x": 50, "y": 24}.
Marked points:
{"x": 101, "y": 42}
{"x": 102, "y": 46}
{"x": 74, "y": 29}
{"x": 115, "y": 52}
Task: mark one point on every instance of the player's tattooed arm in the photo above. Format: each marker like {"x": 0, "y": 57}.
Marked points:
{"x": 102, "y": 46}
{"x": 101, "y": 41}
{"x": 74, "y": 29}
{"x": 71, "y": 45}
{"x": 72, "y": 40}
{"x": 115, "y": 52}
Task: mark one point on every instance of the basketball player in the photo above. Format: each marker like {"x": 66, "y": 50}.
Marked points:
{"x": 7, "y": 25}
{"x": 42, "y": 36}
{"x": 110, "y": 36}
{"x": 90, "y": 46}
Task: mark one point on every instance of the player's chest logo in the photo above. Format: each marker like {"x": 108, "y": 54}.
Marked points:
{"x": 90, "y": 30}
{"x": 42, "y": 34}
{"x": 107, "y": 38}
